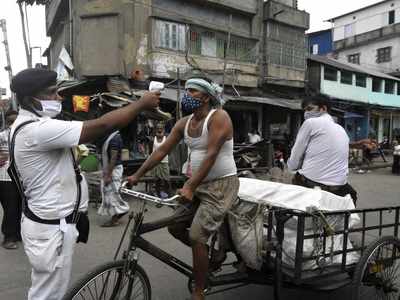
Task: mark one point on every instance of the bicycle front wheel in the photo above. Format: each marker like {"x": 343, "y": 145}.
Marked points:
{"x": 109, "y": 281}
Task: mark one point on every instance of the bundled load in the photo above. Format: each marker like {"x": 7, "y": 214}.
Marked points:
{"x": 247, "y": 219}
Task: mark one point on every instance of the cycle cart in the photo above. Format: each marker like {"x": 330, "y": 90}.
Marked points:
{"x": 374, "y": 276}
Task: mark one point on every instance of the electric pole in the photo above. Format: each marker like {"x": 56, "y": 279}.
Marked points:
{"x": 8, "y": 68}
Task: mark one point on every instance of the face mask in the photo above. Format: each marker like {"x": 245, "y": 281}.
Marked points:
{"x": 190, "y": 104}
{"x": 312, "y": 114}
{"x": 50, "y": 108}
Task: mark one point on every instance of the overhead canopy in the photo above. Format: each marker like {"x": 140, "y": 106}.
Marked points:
{"x": 351, "y": 115}
{"x": 293, "y": 104}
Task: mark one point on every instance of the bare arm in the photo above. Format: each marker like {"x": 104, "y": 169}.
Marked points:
{"x": 113, "y": 162}
{"x": 116, "y": 119}
{"x": 220, "y": 130}
{"x": 171, "y": 141}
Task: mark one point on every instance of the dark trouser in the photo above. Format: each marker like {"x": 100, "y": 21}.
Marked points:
{"x": 11, "y": 202}
{"x": 340, "y": 190}
{"x": 396, "y": 164}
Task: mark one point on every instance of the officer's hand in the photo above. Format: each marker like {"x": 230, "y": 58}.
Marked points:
{"x": 150, "y": 100}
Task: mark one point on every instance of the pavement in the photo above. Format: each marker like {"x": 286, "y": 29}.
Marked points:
{"x": 376, "y": 188}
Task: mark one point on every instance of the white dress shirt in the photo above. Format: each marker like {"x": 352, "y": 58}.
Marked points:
{"x": 321, "y": 151}
{"x": 44, "y": 161}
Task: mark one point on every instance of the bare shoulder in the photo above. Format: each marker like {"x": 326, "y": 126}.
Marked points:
{"x": 180, "y": 125}
{"x": 221, "y": 115}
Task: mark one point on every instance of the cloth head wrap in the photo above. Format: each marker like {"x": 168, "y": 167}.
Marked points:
{"x": 212, "y": 89}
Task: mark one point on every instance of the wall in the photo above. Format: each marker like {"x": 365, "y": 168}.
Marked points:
{"x": 60, "y": 39}
{"x": 368, "y": 55}
{"x": 192, "y": 12}
{"x": 366, "y": 20}
{"x": 359, "y": 94}
{"x": 292, "y": 3}
{"x": 164, "y": 65}
{"x": 323, "y": 40}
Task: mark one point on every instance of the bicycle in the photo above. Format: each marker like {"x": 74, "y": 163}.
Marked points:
{"x": 377, "y": 272}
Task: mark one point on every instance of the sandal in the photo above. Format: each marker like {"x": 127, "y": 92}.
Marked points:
{"x": 110, "y": 223}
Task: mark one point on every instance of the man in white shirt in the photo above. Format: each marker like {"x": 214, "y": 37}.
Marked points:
{"x": 9, "y": 198}
{"x": 45, "y": 166}
{"x": 321, "y": 152}
{"x": 254, "y": 137}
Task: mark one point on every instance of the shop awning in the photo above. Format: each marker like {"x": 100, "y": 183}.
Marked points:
{"x": 293, "y": 104}
{"x": 351, "y": 115}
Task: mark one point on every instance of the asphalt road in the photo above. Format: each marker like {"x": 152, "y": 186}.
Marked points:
{"x": 378, "y": 188}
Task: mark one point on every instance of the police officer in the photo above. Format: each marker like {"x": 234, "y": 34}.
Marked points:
{"x": 45, "y": 164}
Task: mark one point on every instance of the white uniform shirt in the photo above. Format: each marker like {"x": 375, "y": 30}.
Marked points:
{"x": 4, "y": 153}
{"x": 321, "y": 151}
{"x": 44, "y": 161}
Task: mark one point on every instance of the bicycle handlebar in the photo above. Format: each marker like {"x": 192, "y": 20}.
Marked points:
{"x": 171, "y": 202}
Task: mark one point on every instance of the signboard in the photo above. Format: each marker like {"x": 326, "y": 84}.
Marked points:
{"x": 81, "y": 103}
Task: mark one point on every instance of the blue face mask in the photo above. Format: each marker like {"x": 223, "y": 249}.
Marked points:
{"x": 190, "y": 104}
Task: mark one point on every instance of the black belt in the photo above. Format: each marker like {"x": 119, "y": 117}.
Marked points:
{"x": 31, "y": 216}
{"x": 311, "y": 183}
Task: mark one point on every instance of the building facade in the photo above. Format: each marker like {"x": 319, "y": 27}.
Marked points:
{"x": 254, "y": 47}
{"x": 370, "y": 36}
{"x": 367, "y": 103}
{"x": 320, "y": 42}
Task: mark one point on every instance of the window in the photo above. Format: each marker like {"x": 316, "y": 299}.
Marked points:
{"x": 354, "y": 58}
{"x": 377, "y": 85}
{"x": 346, "y": 77}
{"x": 398, "y": 88}
{"x": 391, "y": 17}
{"x": 384, "y": 55}
{"x": 315, "y": 49}
{"x": 389, "y": 87}
{"x": 348, "y": 30}
{"x": 170, "y": 35}
{"x": 361, "y": 80}
{"x": 211, "y": 43}
{"x": 330, "y": 74}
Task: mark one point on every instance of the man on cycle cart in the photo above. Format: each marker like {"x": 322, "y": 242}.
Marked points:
{"x": 213, "y": 185}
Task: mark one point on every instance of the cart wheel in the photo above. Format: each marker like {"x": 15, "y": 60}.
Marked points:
{"x": 191, "y": 287}
{"x": 377, "y": 274}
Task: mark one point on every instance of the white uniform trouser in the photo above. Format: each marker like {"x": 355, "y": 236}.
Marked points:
{"x": 49, "y": 249}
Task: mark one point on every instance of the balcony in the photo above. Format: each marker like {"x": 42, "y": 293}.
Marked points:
{"x": 54, "y": 10}
{"x": 365, "y": 38}
{"x": 246, "y": 6}
{"x": 282, "y": 13}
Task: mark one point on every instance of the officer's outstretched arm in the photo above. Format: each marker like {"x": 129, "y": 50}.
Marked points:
{"x": 119, "y": 118}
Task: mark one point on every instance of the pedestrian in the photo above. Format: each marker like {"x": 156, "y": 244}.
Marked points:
{"x": 51, "y": 187}
{"x": 9, "y": 198}
{"x": 112, "y": 203}
{"x": 254, "y": 136}
{"x": 161, "y": 171}
{"x": 213, "y": 186}
{"x": 320, "y": 155}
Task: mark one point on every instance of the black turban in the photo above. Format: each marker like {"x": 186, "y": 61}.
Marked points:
{"x": 31, "y": 81}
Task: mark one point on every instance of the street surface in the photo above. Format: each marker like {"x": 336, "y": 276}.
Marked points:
{"x": 378, "y": 188}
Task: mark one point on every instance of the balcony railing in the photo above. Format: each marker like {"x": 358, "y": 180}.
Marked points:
{"x": 365, "y": 38}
